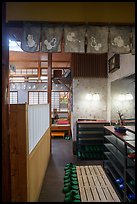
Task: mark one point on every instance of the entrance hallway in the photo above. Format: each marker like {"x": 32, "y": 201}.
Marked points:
{"x": 62, "y": 153}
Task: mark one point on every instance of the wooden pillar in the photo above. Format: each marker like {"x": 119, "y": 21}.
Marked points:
{"x": 6, "y": 179}
{"x": 49, "y": 86}
{"x": 49, "y": 78}
{"x": 39, "y": 69}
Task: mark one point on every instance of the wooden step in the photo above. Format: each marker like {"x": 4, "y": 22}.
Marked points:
{"x": 59, "y": 134}
{"x": 94, "y": 185}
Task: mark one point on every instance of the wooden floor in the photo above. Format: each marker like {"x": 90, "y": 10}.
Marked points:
{"x": 94, "y": 185}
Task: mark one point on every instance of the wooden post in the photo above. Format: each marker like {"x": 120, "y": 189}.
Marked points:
{"x": 39, "y": 67}
{"x": 6, "y": 179}
{"x": 49, "y": 87}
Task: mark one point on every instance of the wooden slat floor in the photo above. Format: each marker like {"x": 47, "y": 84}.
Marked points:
{"x": 94, "y": 185}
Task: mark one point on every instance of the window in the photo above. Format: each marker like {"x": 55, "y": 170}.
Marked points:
{"x": 59, "y": 101}
{"x": 38, "y": 97}
{"x": 55, "y": 101}
{"x": 13, "y": 97}
{"x": 43, "y": 98}
{"x": 44, "y": 71}
{"x": 24, "y": 72}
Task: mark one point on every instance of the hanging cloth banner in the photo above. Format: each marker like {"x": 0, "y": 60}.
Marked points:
{"x": 51, "y": 38}
{"x": 133, "y": 41}
{"x": 31, "y": 38}
{"x": 97, "y": 39}
{"x": 74, "y": 39}
{"x": 120, "y": 37}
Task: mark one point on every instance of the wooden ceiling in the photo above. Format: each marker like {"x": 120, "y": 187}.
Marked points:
{"x": 29, "y": 60}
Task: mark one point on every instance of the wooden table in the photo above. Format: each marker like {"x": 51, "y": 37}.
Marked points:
{"x": 66, "y": 127}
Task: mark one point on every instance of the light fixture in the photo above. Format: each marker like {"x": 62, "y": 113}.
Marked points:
{"x": 121, "y": 97}
{"x": 89, "y": 96}
{"x": 128, "y": 97}
{"x": 96, "y": 97}
{"x": 125, "y": 97}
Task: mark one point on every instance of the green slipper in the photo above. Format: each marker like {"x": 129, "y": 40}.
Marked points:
{"x": 66, "y": 189}
{"x": 75, "y": 192}
{"x": 74, "y": 175}
{"x": 67, "y": 180}
{"x": 76, "y": 200}
{"x": 74, "y": 187}
{"x": 67, "y": 173}
{"x": 72, "y": 193}
{"x": 67, "y": 185}
{"x": 69, "y": 164}
{"x": 66, "y": 177}
{"x": 68, "y": 199}
{"x": 77, "y": 196}
{"x": 74, "y": 179}
{"x": 73, "y": 171}
{"x": 69, "y": 194}
{"x": 72, "y": 168}
{"x": 74, "y": 182}
{"x": 68, "y": 170}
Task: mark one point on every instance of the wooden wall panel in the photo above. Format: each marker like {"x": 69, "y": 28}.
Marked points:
{"x": 89, "y": 65}
{"x": 19, "y": 152}
{"x": 27, "y": 170}
{"x": 38, "y": 162}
